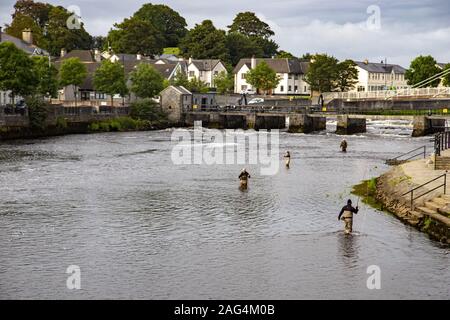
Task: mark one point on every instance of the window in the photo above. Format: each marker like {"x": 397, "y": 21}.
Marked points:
{"x": 295, "y": 88}
{"x": 289, "y": 76}
{"x": 243, "y": 87}
{"x": 281, "y": 88}
{"x": 243, "y": 75}
{"x": 289, "y": 88}
{"x": 216, "y": 73}
{"x": 99, "y": 95}
{"x": 304, "y": 89}
{"x": 191, "y": 74}
{"x": 361, "y": 88}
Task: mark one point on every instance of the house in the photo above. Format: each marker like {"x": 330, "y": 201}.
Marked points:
{"x": 25, "y": 44}
{"x": 291, "y": 72}
{"x": 92, "y": 60}
{"x": 205, "y": 70}
{"x": 174, "y": 100}
{"x": 379, "y": 76}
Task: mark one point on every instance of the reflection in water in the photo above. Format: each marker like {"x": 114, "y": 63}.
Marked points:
{"x": 140, "y": 227}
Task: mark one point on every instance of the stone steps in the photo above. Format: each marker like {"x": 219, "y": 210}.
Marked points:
{"x": 433, "y": 205}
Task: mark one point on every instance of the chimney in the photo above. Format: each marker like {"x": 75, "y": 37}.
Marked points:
{"x": 27, "y": 36}
{"x": 190, "y": 60}
{"x": 63, "y": 52}
{"x": 138, "y": 56}
{"x": 97, "y": 55}
{"x": 253, "y": 62}
{"x": 366, "y": 61}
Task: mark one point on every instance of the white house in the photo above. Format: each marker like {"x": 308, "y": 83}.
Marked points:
{"x": 291, "y": 72}
{"x": 379, "y": 76}
{"x": 205, "y": 70}
{"x": 25, "y": 44}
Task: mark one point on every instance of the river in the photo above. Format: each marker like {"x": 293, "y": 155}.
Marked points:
{"x": 140, "y": 227}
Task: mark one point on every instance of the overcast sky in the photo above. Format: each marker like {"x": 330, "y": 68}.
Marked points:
{"x": 345, "y": 29}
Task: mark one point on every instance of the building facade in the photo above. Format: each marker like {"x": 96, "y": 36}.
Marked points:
{"x": 379, "y": 76}
{"x": 290, "y": 71}
{"x": 205, "y": 70}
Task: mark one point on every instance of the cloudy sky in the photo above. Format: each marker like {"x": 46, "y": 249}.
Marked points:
{"x": 345, "y": 29}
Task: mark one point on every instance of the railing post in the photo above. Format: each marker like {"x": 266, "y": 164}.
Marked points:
{"x": 412, "y": 207}
{"x": 424, "y": 151}
{"x": 445, "y": 183}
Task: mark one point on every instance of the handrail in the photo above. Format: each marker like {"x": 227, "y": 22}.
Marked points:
{"x": 414, "y": 189}
{"x": 424, "y": 152}
{"x": 441, "y": 142}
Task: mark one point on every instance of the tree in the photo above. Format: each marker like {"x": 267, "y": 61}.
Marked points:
{"x": 197, "y": 85}
{"x": 146, "y": 82}
{"x": 263, "y": 77}
{"x": 268, "y": 46}
{"x": 241, "y": 46}
{"x": 47, "y": 76}
{"x": 422, "y": 68}
{"x": 180, "y": 79}
{"x": 16, "y": 72}
{"x": 204, "y": 41}
{"x": 250, "y": 25}
{"x": 284, "y": 54}
{"x": 109, "y": 78}
{"x": 21, "y": 22}
{"x": 447, "y": 76}
{"x": 347, "y": 75}
{"x": 167, "y": 21}
{"x": 37, "y": 11}
{"x": 135, "y": 36}
{"x": 307, "y": 56}
{"x": 72, "y": 73}
{"x": 322, "y": 73}
{"x": 224, "y": 82}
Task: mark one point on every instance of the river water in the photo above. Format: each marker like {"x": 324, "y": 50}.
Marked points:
{"x": 140, "y": 227}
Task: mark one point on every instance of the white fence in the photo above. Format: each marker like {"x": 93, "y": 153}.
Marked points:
{"x": 442, "y": 92}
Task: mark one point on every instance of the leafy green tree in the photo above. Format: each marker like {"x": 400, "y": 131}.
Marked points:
{"x": 422, "y": 68}
{"x": 21, "y": 22}
{"x": 204, "y": 41}
{"x": 446, "y": 81}
{"x": 268, "y": 46}
{"x": 72, "y": 73}
{"x": 147, "y": 109}
{"x": 347, "y": 75}
{"x": 109, "y": 78}
{"x": 224, "y": 82}
{"x": 263, "y": 77}
{"x": 134, "y": 36}
{"x": 250, "y": 25}
{"x": 37, "y": 11}
{"x": 180, "y": 79}
{"x": 197, "y": 85}
{"x": 47, "y": 76}
{"x": 284, "y": 54}
{"x": 322, "y": 73}
{"x": 241, "y": 46}
{"x": 146, "y": 81}
{"x": 167, "y": 21}
{"x": 16, "y": 71}
{"x": 307, "y": 56}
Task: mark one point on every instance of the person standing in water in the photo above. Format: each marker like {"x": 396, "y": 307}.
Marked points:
{"x": 347, "y": 216}
{"x": 287, "y": 158}
{"x": 243, "y": 178}
{"x": 344, "y": 145}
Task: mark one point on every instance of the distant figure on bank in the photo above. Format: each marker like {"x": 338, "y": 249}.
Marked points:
{"x": 347, "y": 216}
{"x": 344, "y": 145}
{"x": 243, "y": 178}
{"x": 287, "y": 158}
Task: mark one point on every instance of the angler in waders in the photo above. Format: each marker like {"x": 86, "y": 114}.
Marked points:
{"x": 243, "y": 178}
{"x": 344, "y": 146}
{"x": 347, "y": 216}
{"x": 287, "y": 159}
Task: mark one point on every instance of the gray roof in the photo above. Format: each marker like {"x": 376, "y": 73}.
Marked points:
{"x": 206, "y": 64}
{"x": 28, "y": 48}
{"x": 279, "y": 65}
{"x": 442, "y": 65}
{"x": 179, "y": 89}
{"x": 380, "y": 67}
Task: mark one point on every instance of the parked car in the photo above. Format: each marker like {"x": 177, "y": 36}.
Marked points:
{"x": 248, "y": 91}
{"x": 21, "y": 107}
{"x": 256, "y": 101}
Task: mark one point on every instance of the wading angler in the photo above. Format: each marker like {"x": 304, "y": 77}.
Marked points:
{"x": 213, "y": 146}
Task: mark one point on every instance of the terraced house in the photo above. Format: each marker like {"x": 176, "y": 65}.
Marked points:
{"x": 291, "y": 72}
{"x": 379, "y": 76}
{"x": 205, "y": 70}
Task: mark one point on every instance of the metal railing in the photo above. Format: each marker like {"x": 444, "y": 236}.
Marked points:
{"x": 441, "y": 142}
{"x": 397, "y": 160}
{"x": 412, "y": 197}
{"x": 388, "y": 94}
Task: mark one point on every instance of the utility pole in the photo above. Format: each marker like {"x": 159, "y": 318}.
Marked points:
{"x": 385, "y": 74}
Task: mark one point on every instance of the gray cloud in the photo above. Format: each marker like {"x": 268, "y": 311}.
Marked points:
{"x": 408, "y": 27}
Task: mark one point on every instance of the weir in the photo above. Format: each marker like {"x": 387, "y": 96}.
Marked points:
{"x": 349, "y": 125}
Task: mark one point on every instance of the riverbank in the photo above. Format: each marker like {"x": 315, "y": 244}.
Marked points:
{"x": 430, "y": 213}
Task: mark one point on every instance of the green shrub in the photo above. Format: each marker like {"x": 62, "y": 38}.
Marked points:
{"x": 61, "y": 123}
{"x": 37, "y": 113}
